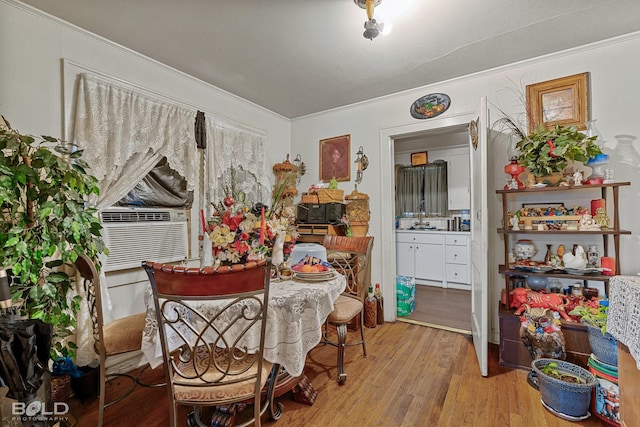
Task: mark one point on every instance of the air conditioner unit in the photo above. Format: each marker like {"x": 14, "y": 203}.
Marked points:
{"x": 134, "y": 235}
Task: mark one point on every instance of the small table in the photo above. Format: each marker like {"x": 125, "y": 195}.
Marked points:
{"x": 297, "y": 311}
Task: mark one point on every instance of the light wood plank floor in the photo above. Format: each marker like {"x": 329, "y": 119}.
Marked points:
{"x": 414, "y": 376}
{"x": 442, "y": 308}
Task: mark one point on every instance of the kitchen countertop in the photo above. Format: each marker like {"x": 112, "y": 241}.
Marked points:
{"x": 435, "y": 231}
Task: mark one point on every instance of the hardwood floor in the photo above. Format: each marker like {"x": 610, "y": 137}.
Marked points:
{"x": 444, "y": 308}
{"x": 413, "y": 376}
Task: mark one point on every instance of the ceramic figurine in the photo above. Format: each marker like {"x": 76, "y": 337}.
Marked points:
{"x": 608, "y": 176}
{"x": 577, "y": 178}
{"x": 515, "y": 223}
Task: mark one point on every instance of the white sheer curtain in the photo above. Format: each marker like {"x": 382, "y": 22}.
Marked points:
{"x": 125, "y": 133}
{"x": 238, "y": 152}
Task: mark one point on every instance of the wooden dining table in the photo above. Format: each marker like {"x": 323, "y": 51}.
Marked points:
{"x": 297, "y": 312}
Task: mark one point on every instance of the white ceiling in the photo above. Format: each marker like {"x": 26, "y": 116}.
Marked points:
{"x": 298, "y": 57}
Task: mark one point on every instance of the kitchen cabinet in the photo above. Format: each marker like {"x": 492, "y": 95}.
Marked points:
{"x": 458, "y": 187}
{"x": 437, "y": 258}
{"x": 420, "y": 255}
{"x": 457, "y": 261}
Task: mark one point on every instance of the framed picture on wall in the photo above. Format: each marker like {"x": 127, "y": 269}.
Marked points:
{"x": 334, "y": 158}
{"x": 562, "y": 101}
{"x": 419, "y": 159}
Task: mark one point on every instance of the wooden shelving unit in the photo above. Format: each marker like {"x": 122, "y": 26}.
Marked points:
{"x": 512, "y": 351}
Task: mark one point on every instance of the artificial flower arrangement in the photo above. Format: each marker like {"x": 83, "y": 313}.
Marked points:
{"x": 240, "y": 232}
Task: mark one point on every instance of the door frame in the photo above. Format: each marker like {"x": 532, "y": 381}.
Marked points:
{"x": 387, "y": 182}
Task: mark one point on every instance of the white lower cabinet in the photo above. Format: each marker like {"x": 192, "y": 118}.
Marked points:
{"x": 420, "y": 255}
{"x": 457, "y": 261}
{"x": 433, "y": 258}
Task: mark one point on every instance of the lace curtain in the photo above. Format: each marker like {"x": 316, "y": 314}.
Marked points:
{"x": 236, "y": 157}
{"x": 125, "y": 133}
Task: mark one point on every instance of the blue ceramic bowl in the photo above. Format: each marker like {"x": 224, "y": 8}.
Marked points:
{"x": 537, "y": 283}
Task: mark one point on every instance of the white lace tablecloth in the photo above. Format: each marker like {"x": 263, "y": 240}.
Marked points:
{"x": 623, "y": 321}
{"x": 297, "y": 311}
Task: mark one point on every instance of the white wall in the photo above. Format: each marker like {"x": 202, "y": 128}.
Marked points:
{"x": 614, "y": 88}
{"x": 32, "y": 48}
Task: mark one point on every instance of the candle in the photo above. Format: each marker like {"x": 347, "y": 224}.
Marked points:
{"x": 608, "y": 265}
{"x": 204, "y": 222}
{"x": 595, "y": 204}
{"x": 262, "y": 226}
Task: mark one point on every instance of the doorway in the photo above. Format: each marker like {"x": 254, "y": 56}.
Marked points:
{"x": 435, "y": 129}
{"x": 439, "y": 306}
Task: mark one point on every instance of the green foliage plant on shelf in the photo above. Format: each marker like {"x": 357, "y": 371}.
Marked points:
{"x": 546, "y": 151}
{"x": 45, "y": 226}
{"x": 594, "y": 316}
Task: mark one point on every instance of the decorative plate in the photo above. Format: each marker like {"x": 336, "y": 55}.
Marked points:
{"x": 321, "y": 276}
{"x": 429, "y": 106}
{"x": 473, "y": 133}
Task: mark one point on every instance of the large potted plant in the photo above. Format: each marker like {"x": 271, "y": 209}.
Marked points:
{"x": 604, "y": 346}
{"x": 565, "y": 388}
{"x": 45, "y": 224}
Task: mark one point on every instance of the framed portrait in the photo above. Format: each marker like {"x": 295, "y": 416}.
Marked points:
{"x": 419, "y": 159}
{"x": 335, "y": 158}
{"x": 562, "y": 101}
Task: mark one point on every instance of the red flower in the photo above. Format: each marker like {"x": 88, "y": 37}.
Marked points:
{"x": 240, "y": 247}
{"x": 232, "y": 220}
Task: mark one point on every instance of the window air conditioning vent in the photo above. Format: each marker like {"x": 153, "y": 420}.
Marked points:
{"x": 134, "y": 235}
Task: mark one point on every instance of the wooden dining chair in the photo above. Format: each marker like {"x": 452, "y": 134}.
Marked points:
{"x": 349, "y": 256}
{"x": 118, "y": 337}
{"x": 217, "y": 320}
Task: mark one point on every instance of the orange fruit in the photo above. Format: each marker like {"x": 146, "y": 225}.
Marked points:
{"x": 306, "y": 268}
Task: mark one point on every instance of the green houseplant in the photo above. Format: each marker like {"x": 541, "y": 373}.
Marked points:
{"x": 546, "y": 151}
{"x": 603, "y": 345}
{"x": 45, "y": 224}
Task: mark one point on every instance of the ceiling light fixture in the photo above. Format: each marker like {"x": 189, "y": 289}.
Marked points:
{"x": 371, "y": 27}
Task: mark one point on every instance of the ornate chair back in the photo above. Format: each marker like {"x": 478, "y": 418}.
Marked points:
{"x": 120, "y": 336}
{"x": 212, "y": 326}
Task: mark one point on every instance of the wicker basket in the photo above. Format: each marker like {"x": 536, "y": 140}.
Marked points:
{"x": 326, "y": 195}
{"x": 60, "y": 388}
{"x": 309, "y": 198}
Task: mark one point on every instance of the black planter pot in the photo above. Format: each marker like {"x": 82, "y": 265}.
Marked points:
{"x": 86, "y": 386}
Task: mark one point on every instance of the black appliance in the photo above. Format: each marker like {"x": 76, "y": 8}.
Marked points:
{"x": 320, "y": 213}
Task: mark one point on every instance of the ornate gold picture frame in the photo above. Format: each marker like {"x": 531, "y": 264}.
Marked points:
{"x": 562, "y": 101}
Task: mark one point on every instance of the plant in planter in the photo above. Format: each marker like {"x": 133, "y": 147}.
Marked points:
{"x": 546, "y": 151}
{"x": 603, "y": 345}
{"x": 565, "y": 388}
{"x": 45, "y": 225}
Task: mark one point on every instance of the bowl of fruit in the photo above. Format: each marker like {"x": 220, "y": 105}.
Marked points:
{"x": 312, "y": 268}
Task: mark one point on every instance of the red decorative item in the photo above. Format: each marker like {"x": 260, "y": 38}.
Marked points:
{"x": 514, "y": 169}
{"x": 228, "y": 201}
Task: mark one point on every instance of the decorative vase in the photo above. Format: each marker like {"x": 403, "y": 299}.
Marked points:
{"x": 565, "y": 399}
{"x": 525, "y": 249}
